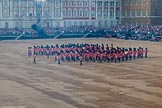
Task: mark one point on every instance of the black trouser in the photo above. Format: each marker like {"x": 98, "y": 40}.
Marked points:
{"x": 126, "y": 57}
{"x": 34, "y": 61}
{"x": 146, "y": 55}
{"x": 119, "y": 59}
{"x": 138, "y": 56}
{"x": 130, "y": 57}
{"x": 112, "y": 59}
{"x": 108, "y": 60}
{"x": 123, "y": 58}
{"x": 115, "y": 60}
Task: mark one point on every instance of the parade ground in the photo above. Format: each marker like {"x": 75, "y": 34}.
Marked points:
{"x": 129, "y": 84}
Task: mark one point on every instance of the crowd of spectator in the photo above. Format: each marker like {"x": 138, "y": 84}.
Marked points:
{"x": 81, "y": 29}
{"x": 119, "y": 31}
{"x": 16, "y": 32}
{"x": 155, "y": 30}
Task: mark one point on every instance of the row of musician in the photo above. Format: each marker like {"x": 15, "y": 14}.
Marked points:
{"x": 88, "y": 52}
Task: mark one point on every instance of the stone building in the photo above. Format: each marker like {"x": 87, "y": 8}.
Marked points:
{"x": 63, "y": 13}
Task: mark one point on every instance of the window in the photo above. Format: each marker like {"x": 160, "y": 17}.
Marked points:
{"x": 57, "y": 13}
{"x": 131, "y": 2}
{"x": 93, "y": 13}
{"x": 117, "y": 14}
{"x": 136, "y": 13}
{"x": 118, "y": 4}
{"x": 69, "y": 3}
{"x": 105, "y": 13}
{"x": 75, "y": 12}
{"x": 93, "y": 3}
{"x": 106, "y": 3}
{"x": 64, "y": 12}
{"x": 46, "y": 12}
{"x": 130, "y": 13}
{"x": 15, "y": 2}
{"x": 15, "y": 11}
{"x": 146, "y": 1}
{"x": 80, "y": 12}
{"x": 126, "y": 14}
{"x": 31, "y": 2}
{"x": 69, "y": 12}
{"x": 80, "y": 3}
{"x": 141, "y": 12}
{"x": 99, "y": 3}
{"x": 112, "y": 4}
{"x": 99, "y": 14}
{"x": 23, "y": 2}
{"x": 146, "y": 12}
{"x": 86, "y": 3}
{"x": 64, "y": 3}
{"x": 75, "y": 3}
{"x": 111, "y": 13}
{"x": 126, "y": 2}
{"x": 86, "y": 13}
{"x": 136, "y": 2}
{"x": 57, "y": 3}
{"x": 141, "y": 2}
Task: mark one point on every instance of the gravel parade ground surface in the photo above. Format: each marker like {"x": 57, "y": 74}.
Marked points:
{"x": 129, "y": 84}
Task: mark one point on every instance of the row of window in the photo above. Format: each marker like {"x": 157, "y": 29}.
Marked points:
{"x": 23, "y": 12}
{"x": 86, "y": 13}
{"x": 76, "y": 12}
{"x": 75, "y": 3}
{"x": 105, "y": 3}
{"x": 31, "y": 2}
{"x": 86, "y": 3}
{"x": 66, "y": 12}
{"x": 136, "y": 2}
{"x": 136, "y": 13}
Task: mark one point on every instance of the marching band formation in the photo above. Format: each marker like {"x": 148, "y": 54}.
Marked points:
{"x": 87, "y": 52}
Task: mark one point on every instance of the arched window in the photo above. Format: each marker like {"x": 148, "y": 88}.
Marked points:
{"x": 105, "y": 13}
{"x": 86, "y": 14}
{"x": 64, "y": 12}
{"x": 80, "y": 12}
{"x": 69, "y": 12}
{"x": 74, "y": 3}
{"x": 93, "y": 13}
{"x": 64, "y": 3}
{"x": 75, "y": 12}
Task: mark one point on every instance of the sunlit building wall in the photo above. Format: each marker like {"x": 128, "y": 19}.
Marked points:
{"x": 142, "y": 12}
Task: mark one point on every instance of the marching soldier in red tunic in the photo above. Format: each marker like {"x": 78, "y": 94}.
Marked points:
{"x": 34, "y": 59}
{"x": 81, "y": 60}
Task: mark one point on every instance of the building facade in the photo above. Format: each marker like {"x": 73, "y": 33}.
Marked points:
{"x": 63, "y": 13}
{"x": 142, "y": 12}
